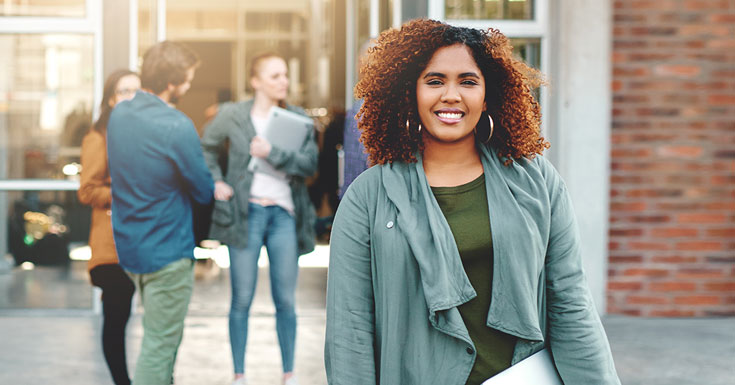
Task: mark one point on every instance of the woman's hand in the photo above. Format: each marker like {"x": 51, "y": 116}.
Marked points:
{"x": 259, "y": 147}
{"x": 222, "y": 191}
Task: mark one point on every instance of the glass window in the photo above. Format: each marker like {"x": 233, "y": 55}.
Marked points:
{"x": 46, "y": 99}
{"x": 529, "y": 50}
{"x": 51, "y": 8}
{"x": 489, "y": 9}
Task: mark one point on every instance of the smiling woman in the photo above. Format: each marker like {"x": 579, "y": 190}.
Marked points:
{"x": 456, "y": 255}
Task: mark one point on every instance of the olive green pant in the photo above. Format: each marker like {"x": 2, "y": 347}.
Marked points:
{"x": 165, "y": 296}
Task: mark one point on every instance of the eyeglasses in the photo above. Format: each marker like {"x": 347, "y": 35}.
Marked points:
{"x": 126, "y": 91}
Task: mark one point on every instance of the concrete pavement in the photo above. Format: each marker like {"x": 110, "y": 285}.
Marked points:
{"x": 62, "y": 346}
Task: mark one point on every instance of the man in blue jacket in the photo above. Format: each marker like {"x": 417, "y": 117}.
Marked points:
{"x": 157, "y": 169}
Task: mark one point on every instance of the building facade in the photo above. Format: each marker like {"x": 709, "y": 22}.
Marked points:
{"x": 639, "y": 112}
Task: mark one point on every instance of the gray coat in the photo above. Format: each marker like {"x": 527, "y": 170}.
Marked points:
{"x": 229, "y": 219}
{"x": 396, "y": 280}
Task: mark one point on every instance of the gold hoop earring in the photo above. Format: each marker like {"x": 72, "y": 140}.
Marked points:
{"x": 490, "y": 130}
{"x": 492, "y": 126}
{"x": 408, "y": 126}
{"x": 419, "y": 127}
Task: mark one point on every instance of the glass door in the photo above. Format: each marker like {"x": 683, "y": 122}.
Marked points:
{"x": 49, "y": 87}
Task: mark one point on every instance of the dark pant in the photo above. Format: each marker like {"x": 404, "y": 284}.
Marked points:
{"x": 117, "y": 294}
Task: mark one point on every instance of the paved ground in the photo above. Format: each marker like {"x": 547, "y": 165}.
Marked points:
{"x": 61, "y": 346}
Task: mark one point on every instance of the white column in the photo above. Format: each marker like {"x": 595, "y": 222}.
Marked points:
{"x": 580, "y": 108}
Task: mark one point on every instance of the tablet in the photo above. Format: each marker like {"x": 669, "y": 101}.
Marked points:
{"x": 538, "y": 369}
{"x": 286, "y": 130}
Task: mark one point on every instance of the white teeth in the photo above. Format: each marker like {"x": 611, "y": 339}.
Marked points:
{"x": 449, "y": 115}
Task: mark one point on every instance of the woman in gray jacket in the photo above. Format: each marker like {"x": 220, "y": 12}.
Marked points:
{"x": 257, "y": 209}
{"x": 457, "y": 255}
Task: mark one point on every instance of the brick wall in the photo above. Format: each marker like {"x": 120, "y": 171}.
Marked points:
{"x": 672, "y": 214}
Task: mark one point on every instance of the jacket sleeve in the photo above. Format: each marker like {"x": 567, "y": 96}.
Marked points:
{"x": 94, "y": 189}
{"x": 186, "y": 154}
{"x": 349, "y": 352}
{"x": 301, "y": 163}
{"x": 578, "y": 342}
{"x": 214, "y": 135}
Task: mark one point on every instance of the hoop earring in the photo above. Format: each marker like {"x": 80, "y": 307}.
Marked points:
{"x": 492, "y": 126}
{"x": 419, "y": 130}
{"x": 408, "y": 126}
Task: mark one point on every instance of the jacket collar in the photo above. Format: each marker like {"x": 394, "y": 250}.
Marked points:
{"x": 443, "y": 278}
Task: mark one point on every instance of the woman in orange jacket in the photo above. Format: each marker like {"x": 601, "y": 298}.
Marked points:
{"x": 94, "y": 190}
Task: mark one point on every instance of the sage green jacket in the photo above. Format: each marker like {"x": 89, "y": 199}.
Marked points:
{"x": 229, "y": 218}
{"x": 396, "y": 279}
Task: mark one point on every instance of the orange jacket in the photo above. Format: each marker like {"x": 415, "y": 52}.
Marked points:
{"x": 94, "y": 190}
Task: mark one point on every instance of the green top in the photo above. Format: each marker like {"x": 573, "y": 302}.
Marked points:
{"x": 466, "y": 210}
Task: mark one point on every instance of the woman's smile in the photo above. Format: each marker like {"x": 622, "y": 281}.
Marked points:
{"x": 449, "y": 115}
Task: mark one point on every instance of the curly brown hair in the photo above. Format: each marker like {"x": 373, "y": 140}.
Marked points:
{"x": 388, "y": 90}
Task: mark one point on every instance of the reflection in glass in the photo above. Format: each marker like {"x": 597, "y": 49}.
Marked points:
{"x": 46, "y": 99}
{"x": 529, "y": 50}
{"x": 489, "y": 9}
{"x": 44, "y": 114}
{"x": 46, "y": 8}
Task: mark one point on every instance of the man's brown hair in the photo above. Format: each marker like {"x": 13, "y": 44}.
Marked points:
{"x": 166, "y": 63}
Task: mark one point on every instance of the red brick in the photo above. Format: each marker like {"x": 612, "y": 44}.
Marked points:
{"x": 726, "y": 18}
{"x": 618, "y": 259}
{"x": 701, "y": 218}
{"x": 708, "y": 86}
{"x": 720, "y": 206}
{"x": 653, "y": 5}
{"x": 720, "y": 286}
{"x": 672, "y": 286}
{"x": 724, "y": 100}
{"x": 680, "y": 151}
{"x": 626, "y": 232}
{"x": 724, "y": 74}
{"x": 648, "y": 246}
{"x": 704, "y": 30}
{"x": 721, "y": 43}
{"x": 725, "y": 233}
{"x": 700, "y": 5}
{"x": 653, "y": 193}
{"x": 723, "y": 180}
{"x": 699, "y": 246}
{"x": 653, "y": 31}
{"x": 673, "y": 259}
{"x": 697, "y": 300}
{"x": 686, "y": 71}
{"x": 624, "y": 286}
{"x": 650, "y": 219}
{"x": 629, "y": 206}
{"x": 646, "y": 300}
{"x": 631, "y": 153}
{"x": 700, "y": 274}
{"x": 646, "y": 272}
{"x": 672, "y": 313}
{"x": 674, "y": 232}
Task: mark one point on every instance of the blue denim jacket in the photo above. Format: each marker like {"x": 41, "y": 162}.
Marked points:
{"x": 396, "y": 279}
{"x": 157, "y": 169}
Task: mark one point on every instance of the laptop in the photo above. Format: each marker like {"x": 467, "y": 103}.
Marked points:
{"x": 286, "y": 130}
{"x": 537, "y": 369}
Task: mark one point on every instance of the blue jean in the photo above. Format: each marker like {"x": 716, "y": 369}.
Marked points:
{"x": 275, "y": 228}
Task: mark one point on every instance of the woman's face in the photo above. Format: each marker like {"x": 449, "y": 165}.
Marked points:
{"x": 450, "y": 94}
{"x": 272, "y": 79}
{"x": 125, "y": 89}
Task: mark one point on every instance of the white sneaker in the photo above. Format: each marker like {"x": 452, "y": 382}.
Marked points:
{"x": 240, "y": 381}
{"x": 291, "y": 381}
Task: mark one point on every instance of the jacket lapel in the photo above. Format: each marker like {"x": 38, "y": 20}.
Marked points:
{"x": 515, "y": 304}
